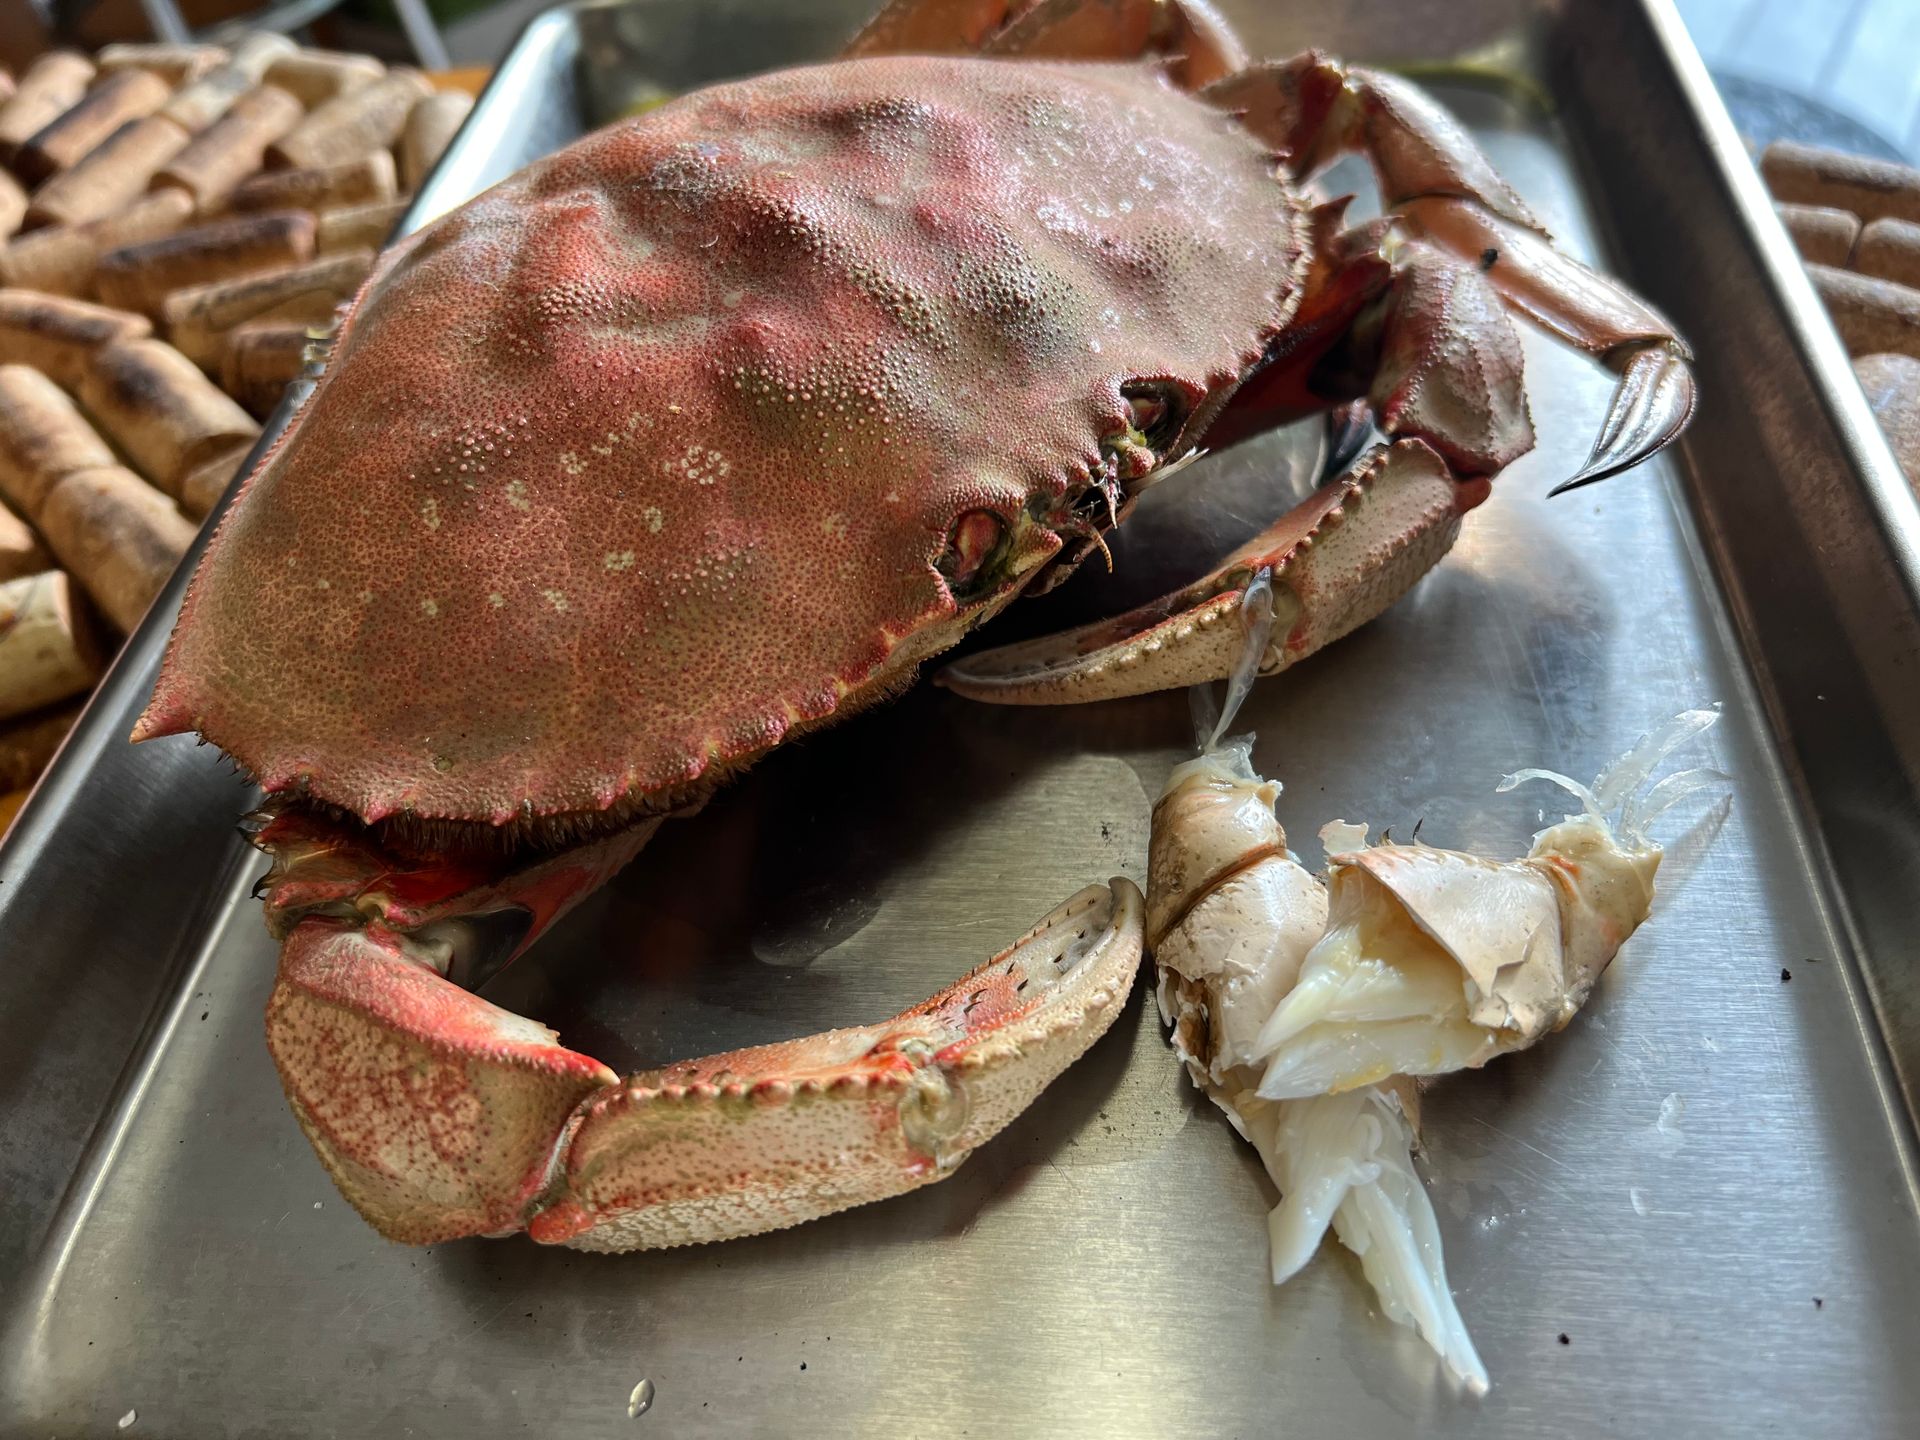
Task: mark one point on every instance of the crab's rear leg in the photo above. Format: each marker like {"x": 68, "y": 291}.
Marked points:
{"x": 439, "y": 1114}
{"x": 1439, "y": 187}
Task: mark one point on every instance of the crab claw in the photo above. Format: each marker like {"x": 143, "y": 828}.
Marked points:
{"x": 1337, "y": 559}
{"x": 435, "y": 1112}
{"x": 765, "y": 1138}
{"x": 441, "y": 1115}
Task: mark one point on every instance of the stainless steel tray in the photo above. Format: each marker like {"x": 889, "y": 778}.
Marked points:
{"x": 168, "y": 1245}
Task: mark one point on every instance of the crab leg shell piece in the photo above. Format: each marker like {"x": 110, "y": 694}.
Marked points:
{"x": 1436, "y": 961}
{"x": 1230, "y": 913}
{"x": 1246, "y": 915}
{"x": 765, "y": 1138}
{"x": 436, "y": 1113}
{"x": 1339, "y": 558}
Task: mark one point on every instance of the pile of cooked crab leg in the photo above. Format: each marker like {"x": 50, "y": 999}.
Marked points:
{"x": 1310, "y": 1011}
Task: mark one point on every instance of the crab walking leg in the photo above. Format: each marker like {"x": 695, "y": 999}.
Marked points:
{"x": 931, "y": 27}
{"x": 1232, "y": 916}
{"x": 1439, "y": 185}
{"x": 1337, "y": 560}
{"x": 766, "y": 1138}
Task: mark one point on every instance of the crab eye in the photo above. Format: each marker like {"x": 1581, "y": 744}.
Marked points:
{"x": 1157, "y": 409}
{"x": 973, "y": 542}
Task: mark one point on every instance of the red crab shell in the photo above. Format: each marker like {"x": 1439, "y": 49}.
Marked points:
{"x": 650, "y": 454}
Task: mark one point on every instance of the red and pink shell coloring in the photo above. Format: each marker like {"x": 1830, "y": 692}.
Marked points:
{"x": 712, "y": 428}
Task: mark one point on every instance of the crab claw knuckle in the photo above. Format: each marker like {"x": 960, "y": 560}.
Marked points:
{"x": 436, "y": 1113}
{"x": 762, "y": 1139}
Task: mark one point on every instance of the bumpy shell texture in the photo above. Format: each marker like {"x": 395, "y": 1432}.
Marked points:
{"x": 650, "y": 454}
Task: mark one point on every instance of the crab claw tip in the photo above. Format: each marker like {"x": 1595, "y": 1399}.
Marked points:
{"x": 1651, "y": 405}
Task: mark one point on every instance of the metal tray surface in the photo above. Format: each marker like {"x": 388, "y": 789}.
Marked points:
{"x": 169, "y": 1246}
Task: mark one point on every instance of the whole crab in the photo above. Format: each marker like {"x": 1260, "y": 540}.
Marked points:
{"x": 709, "y": 430}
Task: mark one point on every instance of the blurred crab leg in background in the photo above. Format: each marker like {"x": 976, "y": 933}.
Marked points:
{"x": 1198, "y": 43}
{"x": 439, "y": 1114}
{"x": 1252, "y": 955}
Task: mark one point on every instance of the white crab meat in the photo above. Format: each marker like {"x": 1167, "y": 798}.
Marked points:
{"x": 1232, "y": 915}
{"x": 1304, "y": 1012}
{"x": 1435, "y": 961}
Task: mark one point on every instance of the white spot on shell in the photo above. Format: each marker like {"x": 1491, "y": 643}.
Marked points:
{"x": 429, "y": 606}
{"x": 700, "y": 465}
{"x": 496, "y": 599}
{"x": 517, "y": 489}
{"x": 619, "y": 560}
{"x": 555, "y": 598}
{"x": 430, "y": 512}
{"x": 655, "y": 518}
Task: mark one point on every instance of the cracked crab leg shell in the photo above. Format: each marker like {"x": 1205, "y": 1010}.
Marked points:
{"x": 1338, "y": 559}
{"x": 765, "y": 1138}
{"x": 435, "y": 1112}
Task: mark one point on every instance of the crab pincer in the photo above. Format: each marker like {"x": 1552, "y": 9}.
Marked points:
{"x": 439, "y": 1114}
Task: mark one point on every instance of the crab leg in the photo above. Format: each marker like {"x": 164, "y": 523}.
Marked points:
{"x": 765, "y": 1138}
{"x": 1199, "y": 45}
{"x": 1440, "y": 187}
{"x": 1336, "y": 561}
{"x": 439, "y": 1114}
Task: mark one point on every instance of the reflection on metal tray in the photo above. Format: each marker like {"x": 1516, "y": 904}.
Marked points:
{"x": 170, "y": 1246}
